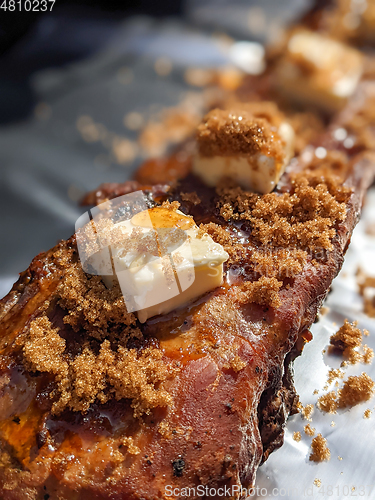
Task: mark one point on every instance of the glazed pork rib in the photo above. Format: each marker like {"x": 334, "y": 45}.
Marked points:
{"x": 96, "y": 405}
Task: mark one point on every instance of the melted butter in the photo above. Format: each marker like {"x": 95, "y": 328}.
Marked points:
{"x": 160, "y": 217}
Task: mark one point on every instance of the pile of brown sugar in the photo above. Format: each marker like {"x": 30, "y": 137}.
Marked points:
{"x": 348, "y": 340}
{"x": 355, "y": 390}
{"x": 95, "y": 365}
{"x": 303, "y": 218}
{"x": 285, "y": 227}
{"x": 320, "y": 450}
{"x": 245, "y": 130}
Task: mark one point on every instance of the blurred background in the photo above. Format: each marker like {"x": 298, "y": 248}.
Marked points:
{"x": 89, "y": 89}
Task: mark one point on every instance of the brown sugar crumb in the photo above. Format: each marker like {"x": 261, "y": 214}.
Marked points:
{"x": 297, "y": 436}
{"x": 328, "y": 402}
{"x": 320, "y": 451}
{"x": 220, "y": 235}
{"x": 238, "y": 132}
{"x": 90, "y": 305}
{"x": 310, "y": 431}
{"x": 368, "y": 354}
{"x": 307, "y": 411}
{"x": 348, "y": 339}
{"x": 303, "y": 218}
{"x": 237, "y": 364}
{"x": 265, "y": 291}
{"x": 132, "y": 448}
{"x": 356, "y": 389}
{"x": 333, "y": 374}
{"x": 191, "y": 197}
{"x": 347, "y": 336}
{"x": 317, "y": 482}
{"x": 90, "y": 376}
{"x": 95, "y": 365}
{"x": 367, "y": 413}
{"x": 171, "y": 205}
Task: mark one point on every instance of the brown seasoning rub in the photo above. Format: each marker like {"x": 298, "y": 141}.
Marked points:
{"x": 319, "y": 449}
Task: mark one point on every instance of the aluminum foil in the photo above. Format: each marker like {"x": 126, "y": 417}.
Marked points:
{"x": 289, "y": 473}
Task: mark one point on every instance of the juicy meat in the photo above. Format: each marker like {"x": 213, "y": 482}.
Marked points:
{"x": 231, "y": 391}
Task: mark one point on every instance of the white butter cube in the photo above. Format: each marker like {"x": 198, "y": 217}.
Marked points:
{"x": 245, "y": 146}
{"x": 164, "y": 263}
{"x": 319, "y": 70}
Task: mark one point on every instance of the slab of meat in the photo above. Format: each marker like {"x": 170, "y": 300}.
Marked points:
{"x": 210, "y": 407}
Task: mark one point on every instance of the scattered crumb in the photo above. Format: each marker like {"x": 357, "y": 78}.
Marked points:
{"x": 191, "y": 197}
{"x": 237, "y": 364}
{"x": 328, "y": 402}
{"x": 333, "y": 423}
{"x": 297, "y": 436}
{"x": 315, "y": 391}
{"x": 367, "y": 413}
{"x": 307, "y": 411}
{"x": 320, "y": 451}
{"x": 317, "y": 482}
{"x": 368, "y": 354}
{"x": 348, "y": 340}
{"x": 324, "y": 310}
{"x": 334, "y": 374}
{"x": 339, "y": 458}
{"x": 356, "y": 389}
{"x": 310, "y": 431}
{"x": 265, "y": 291}
{"x": 347, "y": 336}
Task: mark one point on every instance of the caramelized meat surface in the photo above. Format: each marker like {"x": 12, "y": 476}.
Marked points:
{"x": 96, "y": 405}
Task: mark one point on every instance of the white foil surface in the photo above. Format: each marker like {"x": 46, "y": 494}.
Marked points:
{"x": 289, "y": 473}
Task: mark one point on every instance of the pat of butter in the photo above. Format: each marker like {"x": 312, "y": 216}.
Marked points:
{"x": 164, "y": 262}
{"x": 318, "y": 70}
{"x": 255, "y": 172}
